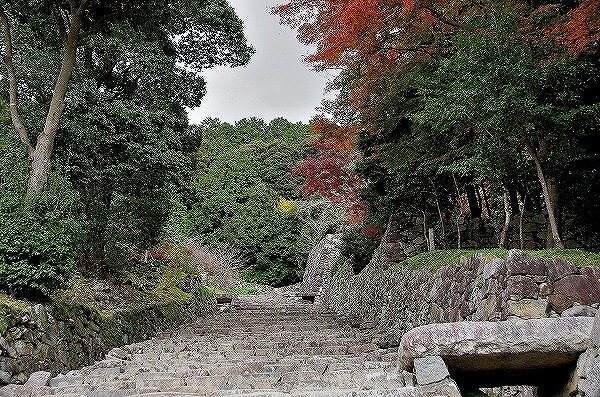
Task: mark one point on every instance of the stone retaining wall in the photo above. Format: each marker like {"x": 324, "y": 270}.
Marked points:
{"x": 63, "y": 336}
{"x": 479, "y": 288}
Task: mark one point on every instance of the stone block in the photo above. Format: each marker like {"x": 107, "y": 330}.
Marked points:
{"x": 590, "y": 385}
{"x": 430, "y": 369}
{"x": 444, "y": 388}
{"x": 596, "y": 330}
{"x": 496, "y": 268}
{"x": 39, "y": 378}
{"x": 581, "y": 288}
{"x": 496, "y": 346}
{"x": 560, "y": 302}
{"x": 5, "y": 377}
{"x": 520, "y": 287}
{"x": 519, "y": 262}
{"x": 579, "y": 311}
{"x": 558, "y": 268}
{"x": 528, "y": 308}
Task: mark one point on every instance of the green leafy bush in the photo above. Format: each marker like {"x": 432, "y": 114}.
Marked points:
{"x": 38, "y": 237}
{"x": 38, "y": 243}
{"x": 357, "y": 247}
{"x": 239, "y": 183}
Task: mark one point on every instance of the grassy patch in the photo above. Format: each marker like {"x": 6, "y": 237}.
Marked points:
{"x": 440, "y": 258}
{"x": 577, "y": 257}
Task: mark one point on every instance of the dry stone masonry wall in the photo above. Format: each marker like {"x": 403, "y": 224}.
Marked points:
{"x": 393, "y": 301}
{"x": 64, "y": 336}
{"x": 407, "y": 235}
{"x": 479, "y": 288}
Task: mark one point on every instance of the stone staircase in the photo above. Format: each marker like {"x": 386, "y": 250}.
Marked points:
{"x": 260, "y": 346}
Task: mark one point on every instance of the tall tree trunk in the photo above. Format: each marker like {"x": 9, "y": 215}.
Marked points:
{"x": 507, "y": 218}
{"x": 545, "y": 192}
{"x": 12, "y": 84}
{"x": 42, "y": 154}
{"x": 553, "y": 195}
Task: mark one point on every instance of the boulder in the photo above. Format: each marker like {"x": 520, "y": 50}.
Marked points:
{"x": 430, "y": 369}
{"x": 5, "y": 377}
{"x": 528, "y": 308}
{"x": 496, "y": 346}
{"x": 520, "y": 262}
{"x": 580, "y": 288}
{"x": 579, "y": 311}
{"x": 596, "y": 330}
{"x": 39, "y": 378}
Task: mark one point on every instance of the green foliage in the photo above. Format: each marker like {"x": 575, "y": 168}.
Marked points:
{"x": 39, "y": 238}
{"x": 11, "y": 311}
{"x": 205, "y": 293}
{"x": 357, "y": 247}
{"x": 242, "y": 171}
{"x": 123, "y": 141}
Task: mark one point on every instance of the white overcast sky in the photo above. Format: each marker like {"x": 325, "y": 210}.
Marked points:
{"x": 276, "y": 82}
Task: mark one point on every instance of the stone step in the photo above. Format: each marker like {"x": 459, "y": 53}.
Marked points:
{"x": 258, "y": 346}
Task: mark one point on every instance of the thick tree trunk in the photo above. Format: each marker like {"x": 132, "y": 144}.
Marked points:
{"x": 545, "y": 192}
{"x": 42, "y": 154}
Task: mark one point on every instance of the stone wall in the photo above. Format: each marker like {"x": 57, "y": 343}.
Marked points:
{"x": 63, "y": 336}
{"x": 480, "y": 288}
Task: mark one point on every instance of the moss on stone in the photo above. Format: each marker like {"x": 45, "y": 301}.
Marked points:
{"x": 11, "y": 311}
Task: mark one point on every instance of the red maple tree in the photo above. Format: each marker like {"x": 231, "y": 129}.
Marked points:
{"x": 330, "y": 172}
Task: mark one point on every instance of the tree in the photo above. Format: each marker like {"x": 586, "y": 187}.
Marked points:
{"x": 329, "y": 171}
{"x": 243, "y": 172}
{"x": 381, "y": 45}
{"x": 493, "y": 88}
{"x": 194, "y": 34}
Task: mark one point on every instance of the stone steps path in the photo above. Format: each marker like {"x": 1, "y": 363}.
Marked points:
{"x": 260, "y": 346}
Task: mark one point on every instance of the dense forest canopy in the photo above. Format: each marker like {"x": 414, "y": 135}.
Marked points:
{"x": 98, "y": 93}
{"x": 445, "y": 111}
{"x": 493, "y": 105}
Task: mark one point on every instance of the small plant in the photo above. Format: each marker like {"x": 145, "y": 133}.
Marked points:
{"x": 246, "y": 290}
{"x": 286, "y": 207}
{"x": 167, "y": 287}
{"x": 204, "y": 293}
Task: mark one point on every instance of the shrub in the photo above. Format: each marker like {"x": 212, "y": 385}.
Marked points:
{"x": 357, "y": 247}
{"x": 38, "y": 243}
{"x": 39, "y": 238}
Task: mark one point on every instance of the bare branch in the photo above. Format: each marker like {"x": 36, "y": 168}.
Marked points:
{"x": 12, "y": 84}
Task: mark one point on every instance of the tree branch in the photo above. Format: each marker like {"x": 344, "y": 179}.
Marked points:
{"x": 60, "y": 22}
{"x": 12, "y": 84}
{"x": 442, "y": 18}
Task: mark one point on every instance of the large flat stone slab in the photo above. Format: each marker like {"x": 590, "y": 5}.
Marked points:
{"x": 500, "y": 346}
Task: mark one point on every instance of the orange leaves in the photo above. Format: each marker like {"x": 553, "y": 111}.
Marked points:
{"x": 582, "y": 30}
